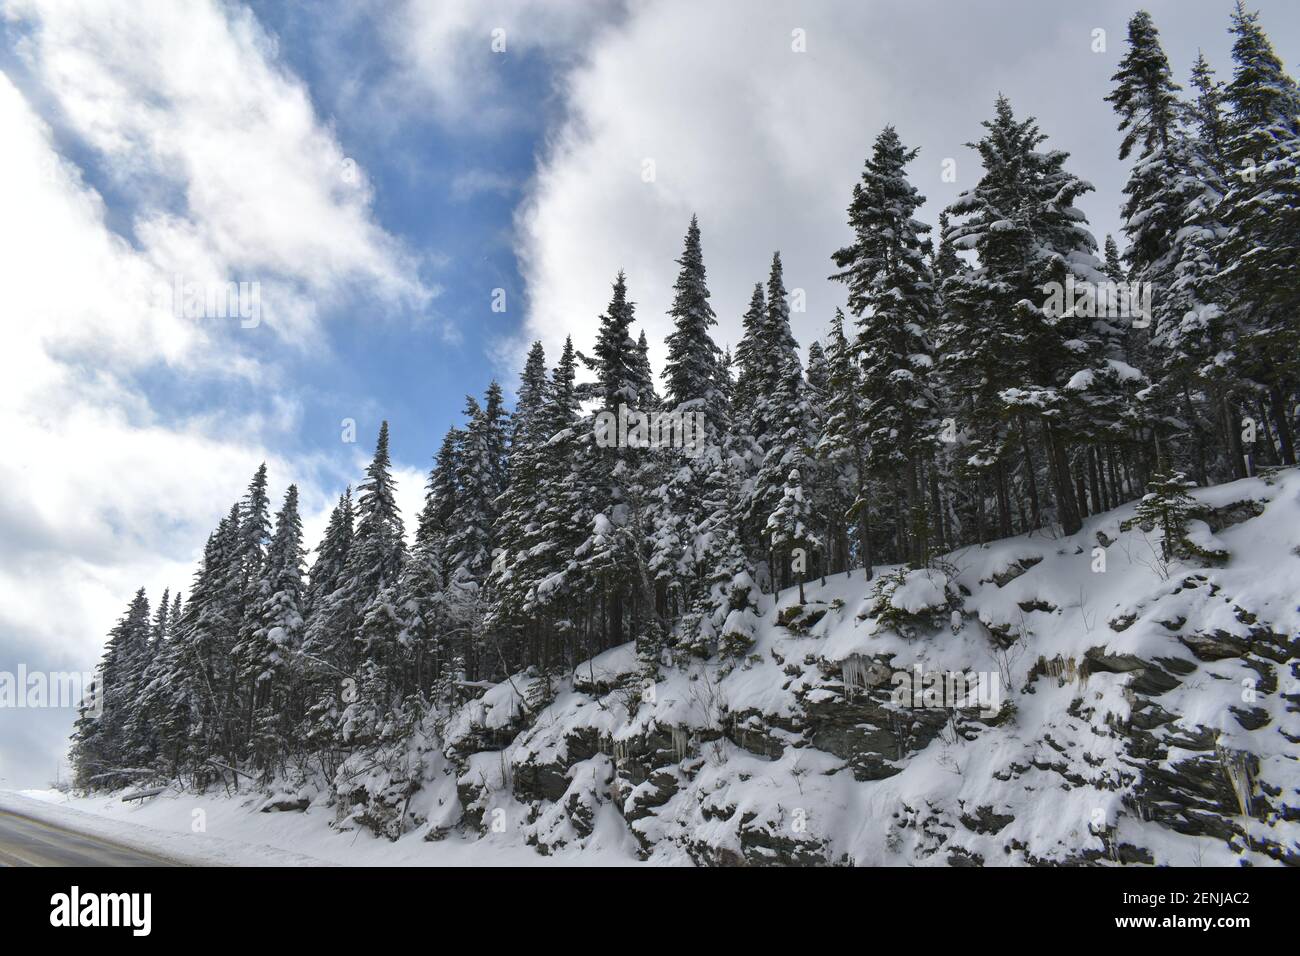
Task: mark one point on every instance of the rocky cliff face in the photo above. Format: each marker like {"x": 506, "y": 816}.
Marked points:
{"x": 1035, "y": 701}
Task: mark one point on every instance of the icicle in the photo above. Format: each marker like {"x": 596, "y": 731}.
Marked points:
{"x": 1237, "y": 770}
{"x": 1058, "y": 667}
{"x": 853, "y": 674}
{"x": 681, "y": 742}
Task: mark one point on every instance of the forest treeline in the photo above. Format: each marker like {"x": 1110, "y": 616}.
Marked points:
{"x": 1006, "y": 375}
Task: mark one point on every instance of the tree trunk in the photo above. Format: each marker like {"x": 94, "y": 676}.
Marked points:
{"x": 1034, "y": 507}
{"x": 1233, "y": 430}
{"x": 1069, "y": 511}
{"x": 1094, "y": 483}
{"x": 1004, "y": 503}
{"x": 1277, "y": 402}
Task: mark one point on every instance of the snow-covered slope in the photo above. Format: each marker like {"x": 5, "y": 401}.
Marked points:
{"x": 1114, "y": 708}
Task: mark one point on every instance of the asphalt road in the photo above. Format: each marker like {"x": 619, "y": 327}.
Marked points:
{"x": 28, "y": 842}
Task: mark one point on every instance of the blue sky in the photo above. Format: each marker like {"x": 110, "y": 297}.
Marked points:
{"x": 446, "y": 190}
{"x": 379, "y": 170}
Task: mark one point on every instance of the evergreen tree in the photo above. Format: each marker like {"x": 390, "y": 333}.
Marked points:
{"x": 441, "y": 497}
{"x": 788, "y": 420}
{"x": 841, "y": 444}
{"x": 332, "y": 619}
{"x": 693, "y": 358}
{"x": 107, "y": 749}
{"x": 1114, "y": 266}
{"x": 327, "y": 571}
{"x": 615, "y": 512}
{"x": 267, "y": 657}
{"x": 790, "y": 528}
{"x": 517, "y": 562}
{"x": 254, "y": 524}
{"x": 891, "y": 291}
{"x": 1258, "y": 255}
{"x": 750, "y": 365}
{"x": 1206, "y": 114}
{"x": 1025, "y": 376}
{"x": 696, "y": 392}
{"x": 1169, "y": 507}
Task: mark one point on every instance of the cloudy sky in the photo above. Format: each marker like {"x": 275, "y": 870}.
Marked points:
{"x": 379, "y": 169}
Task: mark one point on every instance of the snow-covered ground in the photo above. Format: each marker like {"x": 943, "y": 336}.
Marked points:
{"x": 236, "y": 834}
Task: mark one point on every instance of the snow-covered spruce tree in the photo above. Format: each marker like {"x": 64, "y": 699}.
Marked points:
{"x": 957, "y": 508}
{"x": 441, "y": 495}
{"x": 326, "y": 654}
{"x": 841, "y": 446}
{"x": 613, "y": 569}
{"x": 422, "y": 611}
{"x": 1206, "y": 115}
{"x": 790, "y": 449}
{"x": 1027, "y": 377}
{"x": 140, "y": 727}
{"x": 891, "y": 291}
{"x": 533, "y": 579}
{"x": 1146, "y": 98}
{"x": 728, "y": 618}
{"x": 267, "y": 658}
{"x": 161, "y": 621}
{"x": 1114, "y": 265}
{"x": 254, "y": 529}
{"x": 817, "y": 374}
{"x": 751, "y": 367}
{"x": 254, "y": 536}
{"x": 1196, "y": 334}
{"x": 691, "y": 371}
{"x": 748, "y": 428}
{"x": 527, "y": 417}
{"x": 562, "y": 503}
{"x": 1168, "y": 507}
{"x": 679, "y": 556}
{"x": 169, "y": 699}
{"x": 1169, "y": 220}
{"x": 204, "y": 665}
{"x": 105, "y": 752}
{"x": 979, "y": 340}
{"x": 645, "y": 376}
{"x": 726, "y": 384}
{"x": 479, "y": 482}
{"x": 481, "y": 479}
{"x": 374, "y": 568}
{"x": 440, "y": 518}
{"x": 825, "y": 486}
{"x": 327, "y": 571}
{"x": 790, "y": 529}
{"x": 1258, "y": 256}
{"x": 782, "y": 418}
{"x": 432, "y": 638}
{"x": 511, "y": 578}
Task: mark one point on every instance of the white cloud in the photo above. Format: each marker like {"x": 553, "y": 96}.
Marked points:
{"x": 189, "y": 98}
